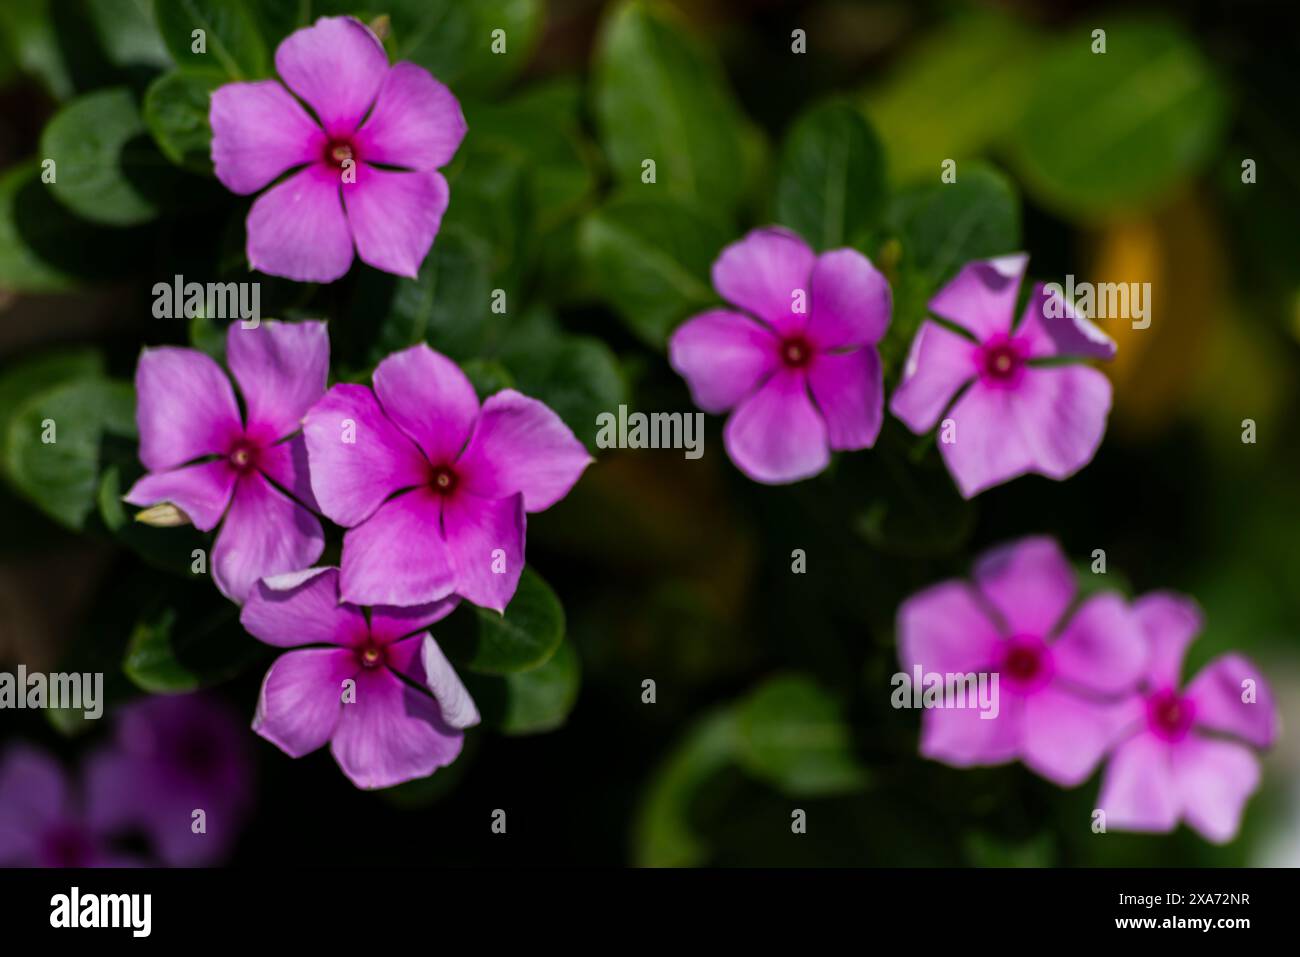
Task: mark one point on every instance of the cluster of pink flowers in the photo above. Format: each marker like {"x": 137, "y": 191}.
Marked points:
{"x": 796, "y": 364}
{"x": 1091, "y": 681}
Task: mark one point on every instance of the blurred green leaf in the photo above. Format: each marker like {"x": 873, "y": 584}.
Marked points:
{"x": 170, "y": 549}
{"x": 232, "y": 40}
{"x": 830, "y": 185}
{"x": 170, "y": 652}
{"x": 128, "y": 33}
{"x": 61, "y": 476}
{"x": 1114, "y": 131}
{"x": 659, "y": 94}
{"x": 28, "y": 29}
{"x": 650, "y": 259}
{"x": 176, "y": 114}
{"x": 792, "y": 734}
{"x": 524, "y": 637}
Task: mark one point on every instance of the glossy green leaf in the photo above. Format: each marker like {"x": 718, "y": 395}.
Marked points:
{"x": 176, "y": 114}
{"x": 232, "y": 41}
{"x": 532, "y": 701}
{"x": 171, "y": 653}
{"x": 524, "y": 637}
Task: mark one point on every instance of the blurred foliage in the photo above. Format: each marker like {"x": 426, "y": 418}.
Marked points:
{"x": 772, "y": 687}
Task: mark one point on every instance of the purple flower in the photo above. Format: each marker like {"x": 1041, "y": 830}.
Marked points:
{"x": 1185, "y": 754}
{"x": 1063, "y": 678}
{"x": 211, "y": 463}
{"x": 46, "y": 822}
{"x": 1017, "y": 416}
{"x": 365, "y": 159}
{"x": 798, "y": 364}
{"x": 431, "y": 487}
{"x": 174, "y": 756}
{"x": 377, "y": 686}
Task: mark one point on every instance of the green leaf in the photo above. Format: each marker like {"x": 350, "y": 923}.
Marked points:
{"x": 232, "y": 40}
{"x": 793, "y": 735}
{"x": 128, "y": 33}
{"x": 664, "y": 836}
{"x": 176, "y": 114}
{"x": 28, "y": 28}
{"x": 650, "y": 259}
{"x": 532, "y": 701}
{"x": 167, "y": 549}
{"x": 61, "y": 476}
{"x": 830, "y": 185}
{"x": 960, "y": 89}
{"x": 526, "y": 636}
{"x": 42, "y": 373}
{"x": 171, "y": 653}
{"x": 106, "y": 169}
{"x": 660, "y": 95}
{"x": 1117, "y": 131}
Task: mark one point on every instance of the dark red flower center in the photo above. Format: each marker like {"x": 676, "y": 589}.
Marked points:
{"x": 243, "y": 456}
{"x": 796, "y": 352}
{"x": 371, "y": 654}
{"x": 1170, "y": 715}
{"x": 338, "y": 152}
{"x": 443, "y": 480}
{"x": 1026, "y": 663}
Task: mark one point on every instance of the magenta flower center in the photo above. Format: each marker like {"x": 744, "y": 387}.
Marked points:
{"x": 371, "y": 654}
{"x": 796, "y": 352}
{"x": 1170, "y": 715}
{"x": 338, "y": 152}
{"x": 1001, "y": 361}
{"x": 1026, "y": 663}
{"x": 243, "y": 456}
{"x": 443, "y": 480}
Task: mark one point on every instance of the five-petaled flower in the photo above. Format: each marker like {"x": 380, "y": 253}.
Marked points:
{"x": 1064, "y": 680}
{"x": 375, "y": 686}
{"x": 1018, "y": 415}
{"x": 1185, "y": 753}
{"x": 212, "y": 463}
{"x": 798, "y": 365}
{"x": 365, "y": 160}
{"x": 433, "y": 488}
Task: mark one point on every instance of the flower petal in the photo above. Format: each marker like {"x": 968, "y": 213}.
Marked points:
{"x": 395, "y": 216}
{"x": 358, "y": 457}
{"x": 258, "y": 131}
{"x": 850, "y": 392}
{"x": 430, "y": 399}
{"x": 397, "y": 556}
{"x": 285, "y": 464}
{"x": 291, "y": 611}
{"x": 33, "y": 792}
{"x": 1029, "y": 582}
{"x": 1065, "y": 735}
{"x": 723, "y": 356}
{"x": 1064, "y": 332}
{"x": 265, "y": 533}
{"x": 1219, "y": 692}
{"x": 945, "y": 629}
{"x": 761, "y": 274}
{"x": 981, "y": 298}
{"x": 421, "y": 660}
{"x": 961, "y": 737}
{"x": 281, "y": 368}
{"x": 416, "y": 122}
{"x": 393, "y": 733}
{"x": 1214, "y": 780}
{"x": 297, "y": 229}
{"x": 337, "y": 65}
{"x": 1138, "y": 790}
{"x": 200, "y": 491}
{"x": 777, "y": 435}
{"x": 301, "y": 702}
{"x": 1170, "y": 622}
{"x": 486, "y": 540}
{"x": 521, "y": 445}
{"x": 938, "y": 364}
{"x": 184, "y": 407}
{"x": 1051, "y": 423}
{"x": 1102, "y": 647}
{"x": 388, "y": 624}
{"x": 850, "y": 301}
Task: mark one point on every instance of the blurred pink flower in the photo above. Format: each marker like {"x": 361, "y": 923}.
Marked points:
{"x": 1063, "y": 678}
{"x": 1186, "y": 754}
{"x": 433, "y": 488}
{"x": 214, "y": 464}
{"x": 1018, "y": 415}
{"x": 364, "y": 161}
{"x": 795, "y": 361}
{"x": 406, "y": 710}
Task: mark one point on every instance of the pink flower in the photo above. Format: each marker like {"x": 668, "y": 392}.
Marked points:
{"x": 377, "y": 687}
{"x": 365, "y": 159}
{"x": 1185, "y": 753}
{"x": 1017, "y": 416}
{"x": 432, "y": 488}
{"x": 798, "y": 364}
{"x": 1062, "y": 678}
{"x": 213, "y": 464}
